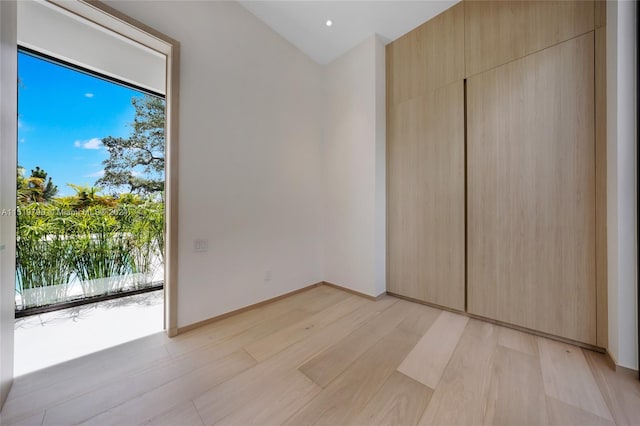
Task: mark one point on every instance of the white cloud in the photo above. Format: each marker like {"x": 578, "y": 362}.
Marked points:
{"x": 89, "y": 95}
{"x": 97, "y": 174}
{"x": 25, "y": 127}
{"x": 94, "y": 143}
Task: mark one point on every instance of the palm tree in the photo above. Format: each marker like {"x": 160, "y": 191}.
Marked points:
{"x": 87, "y": 196}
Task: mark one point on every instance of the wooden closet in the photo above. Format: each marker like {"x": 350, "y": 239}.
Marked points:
{"x": 425, "y": 145}
{"x": 496, "y": 165}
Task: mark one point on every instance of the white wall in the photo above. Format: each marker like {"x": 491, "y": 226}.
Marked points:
{"x": 250, "y": 147}
{"x": 621, "y": 182}
{"x": 8, "y": 138}
{"x": 354, "y": 237}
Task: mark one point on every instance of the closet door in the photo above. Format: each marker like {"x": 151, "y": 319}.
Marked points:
{"x": 426, "y": 197}
{"x": 425, "y": 169}
{"x": 531, "y": 191}
{"x": 402, "y": 200}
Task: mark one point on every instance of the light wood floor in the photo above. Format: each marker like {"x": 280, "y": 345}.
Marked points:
{"x": 324, "y": 356}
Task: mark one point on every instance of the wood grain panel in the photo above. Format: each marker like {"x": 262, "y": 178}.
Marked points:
{"x": 266, "y": 347}
{"x": 156, "y": 375}
{"x": 426, "y": 198}
{"x": 309, "y": 301}
{"x": 516, "y": 390}
{"x": 230, "y": 396}
{"x": 184, "y": 414}
{"x": 346, "y": 396}
{"x": 428, "y": 57}
{"x": 600, "y": 13}
{"x": 518, "y": 341}
{"x": 148, "y": 393}
{"x": 568, "y": 378}
{"x": 497, "y": 32}
{"x": 402, "y": 201}
{"x": 401, "y": 401}
{"x": 620, "y": 389}
{"x": 461, "y": 396}
{"x": 568, "y": 415}
{"x": 325, "y": 367}
{"x": 483, "y": 383}
{"x": 276, "y": 403}
{"x": 601, "y": 186}
{"x": 428, "y": 359}
{"x": 80, "y": 376}
{"x": 441, "y": 245}
{"x": 531, "y": 195}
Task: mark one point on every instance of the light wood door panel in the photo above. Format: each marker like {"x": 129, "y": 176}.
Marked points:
{"x": 531, "y": 192}
{"x": 426, "y": 197}
{"x": 402, "y": 201}
{"x": 429, "y": 57}
{"x": 600, "y": 11}
{"x": 497, "y": 32}
{"x": 441, "y": 261}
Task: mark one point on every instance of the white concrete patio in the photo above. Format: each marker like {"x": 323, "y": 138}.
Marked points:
{"x": 54, "y": 337}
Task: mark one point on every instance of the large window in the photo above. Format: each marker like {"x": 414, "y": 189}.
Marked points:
{"x": 91, "y": 160}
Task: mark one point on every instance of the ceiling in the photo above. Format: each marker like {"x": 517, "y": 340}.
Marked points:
{"x": 302, "y": 22}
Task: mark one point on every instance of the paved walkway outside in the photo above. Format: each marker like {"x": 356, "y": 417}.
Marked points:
{"x": 48, "y": 339}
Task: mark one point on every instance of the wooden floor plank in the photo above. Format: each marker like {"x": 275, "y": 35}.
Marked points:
{"x": 33, "y": 420}
{"x": 516, "y": 394}
{"x": 429, "y": 358}
{"x": 401, "y": 401}
{"x": 227, "y": 398}
{"x": 140, "y": 408}
{"x": 343, "y": 399}
{"x": 103, "y": 372}
{"x": 518, "y": 341}
{"x": 97, "y": 366}
{"x": 328, "y": 365}
{"x": 461, "y": 396}
{"x": 118, "y": 391}
{"x": 184, "y": 414}
{"x": 568, "y": 378}
{"x": 419, "y": 318}
{"x": 99, "y": 376}
{"x": 268, "y": 346}
{"x": 356, "y": 349}
{"x": 278, "y": 402}
{"x": 620, "y": 389}
{"x": 567, "y": 415}
{"x": 310, "y": 301}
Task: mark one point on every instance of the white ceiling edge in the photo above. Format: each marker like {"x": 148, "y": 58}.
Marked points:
{"x": 302, "y": 22}
{"x": 52, "y": 30}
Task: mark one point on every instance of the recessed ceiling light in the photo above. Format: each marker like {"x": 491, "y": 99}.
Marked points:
{"x": 329, "y": 23}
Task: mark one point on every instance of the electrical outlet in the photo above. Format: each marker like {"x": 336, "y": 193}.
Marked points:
{"x": 201, "y": 245}
{"x": 267, "y": 276}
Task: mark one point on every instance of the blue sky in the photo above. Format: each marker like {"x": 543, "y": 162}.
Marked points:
{"x": 62, "y": 115}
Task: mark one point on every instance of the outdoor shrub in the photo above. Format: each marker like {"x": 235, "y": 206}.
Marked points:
{"x": 99, "y": 244}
